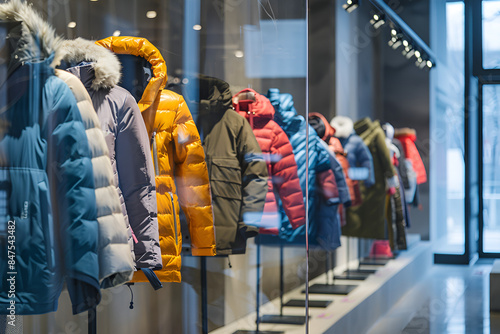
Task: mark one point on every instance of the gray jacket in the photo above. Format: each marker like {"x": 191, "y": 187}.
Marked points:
{"x": 127, "y": 140}
{"x": 115, "y": 246}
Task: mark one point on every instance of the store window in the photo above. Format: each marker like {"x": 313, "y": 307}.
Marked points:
{"x": 491, "y": 26}
{"x": 491, "y": 159}
{"x": 447, "y": 131}
{"x": 220, "y": 89}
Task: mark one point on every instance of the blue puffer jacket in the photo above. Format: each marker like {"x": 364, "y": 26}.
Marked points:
{"x": 323, "y": 202}
{"x": 48, "y": 216}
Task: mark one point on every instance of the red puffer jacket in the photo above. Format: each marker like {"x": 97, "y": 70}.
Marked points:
{"x": 278, "y": 153}
{"x": 407, "y": 138}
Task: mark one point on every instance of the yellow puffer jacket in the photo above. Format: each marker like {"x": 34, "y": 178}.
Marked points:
{"x": 179, "y": 160}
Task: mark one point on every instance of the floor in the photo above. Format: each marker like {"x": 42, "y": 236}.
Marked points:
{"x": 451, "y": 300}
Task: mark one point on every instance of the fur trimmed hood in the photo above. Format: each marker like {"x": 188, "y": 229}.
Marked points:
{"x": 107, "y": 67}
{"x": 343, "y": 126}
{"x": 37, "y": 40}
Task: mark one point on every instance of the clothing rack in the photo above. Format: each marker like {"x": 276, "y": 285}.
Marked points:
{"x": 281, "y": 318}
{"x": 204, "y": 298}
{"x": 92, "y": 320}
{"x": 355, "y": 274}
{"x": 331, "y": 289}
{"x": 257, "y": 304}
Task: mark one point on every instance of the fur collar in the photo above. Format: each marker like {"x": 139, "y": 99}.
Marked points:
{"x": 38, "y": 40}
{"x": 405, "y": 132}
{"x": 343, "y": 126}
{"x": 107, "y": 67}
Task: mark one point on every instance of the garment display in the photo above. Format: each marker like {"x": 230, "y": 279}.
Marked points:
{"x": 325, "y": 132}
{"x": 324, "y": 227}
{"x": 228, "y": 178}
{"x": 237, "y": 170}
{"x": 179, "y": 160}
{"x": 46, "y": 177}
{"x": 127, "y": 140}
{"x": 407, "y": 137}
{"x": 358, "y": 155}
{"x": 368, "y": 219}
{"x": 278, "y": 153}
{"x": 115, "y": 248}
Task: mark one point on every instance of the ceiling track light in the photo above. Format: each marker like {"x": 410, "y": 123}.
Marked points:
{"x": 350, "y": 5}
{"x": 377, "y": 20}
{"x": 396, "y": 41}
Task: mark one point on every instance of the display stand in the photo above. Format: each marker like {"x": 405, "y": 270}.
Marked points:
{"x": 204, "y": 298}
{"x": 354, "y": 274}
{"x": 92, "y": 321}
{"x": 257, "y": 306}
{"x": 331, "y": 288}
{"x": 281, "y": 318}
{"x": 314, "y": 303}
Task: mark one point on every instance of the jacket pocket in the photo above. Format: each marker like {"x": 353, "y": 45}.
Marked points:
{"x": 225, "y": 178}
{"x": 47, "y": 224}
{"x": 174, "y": 213}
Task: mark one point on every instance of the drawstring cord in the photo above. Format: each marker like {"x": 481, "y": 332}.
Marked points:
{"x": 132, "y": 296}
{"x": 229, "y": 262}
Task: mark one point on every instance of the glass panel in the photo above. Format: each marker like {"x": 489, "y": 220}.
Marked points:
{"x": 491, "y": 160}
{"x": 202, "y": 107}
{"x": 447, "y": 131}
{"x": 491, "y": 26}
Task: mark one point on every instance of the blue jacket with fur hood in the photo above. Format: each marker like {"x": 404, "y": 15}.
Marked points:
{"x": 48, "y": 225}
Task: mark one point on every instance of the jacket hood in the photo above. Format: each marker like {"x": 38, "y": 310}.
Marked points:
{"x": 248, "y": 102}
{"x": 214, "y": 93}
{"x": 36, "y": 40}
{"x": 389, "y": 131}
{"x": 285, "y": 113}
{"x": 321, "y": 125}
{"x": 141, "y": 47}
{"x": 106, "y": 66}
{"x": 343, "y": 126}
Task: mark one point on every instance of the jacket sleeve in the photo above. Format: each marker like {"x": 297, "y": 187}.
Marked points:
{"x": 328, "y": 186}
{"x": 364, "y": 159}
{"x": 192, "y": 182}
{"x": 137, "y": 182}
{"x": 338, "y": 172}
{"x": 115, "y": 246}
{"x": 72, "y": 181}
{"x": 254, "y": 178}
{"x": 284, "y": 174}
{"x": 325, "y": 177}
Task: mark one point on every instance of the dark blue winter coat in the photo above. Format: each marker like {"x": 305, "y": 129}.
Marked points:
{"x": 322, "y": 210}
{"x": 48, "y": 215}
{"x": 359, "y": 155}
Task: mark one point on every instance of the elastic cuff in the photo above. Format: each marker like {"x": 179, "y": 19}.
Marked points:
{"x": 204, "y": 251}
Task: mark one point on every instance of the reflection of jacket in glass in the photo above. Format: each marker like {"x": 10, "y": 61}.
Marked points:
{"x": 280, "y": 160}
{"x": 324, "y": 227}
{"x": 48, "y": 215}
{"x": 179, "y": 160}
{"x": 237, "y": 170}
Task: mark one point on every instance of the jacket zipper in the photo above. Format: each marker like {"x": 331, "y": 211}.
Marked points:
{"x": 175, "y": 218}
{"x": 155, "y": 155}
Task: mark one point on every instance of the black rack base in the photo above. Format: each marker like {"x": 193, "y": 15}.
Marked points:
{"x": 331, "y": 289}
{"x": 312, "y": 303}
